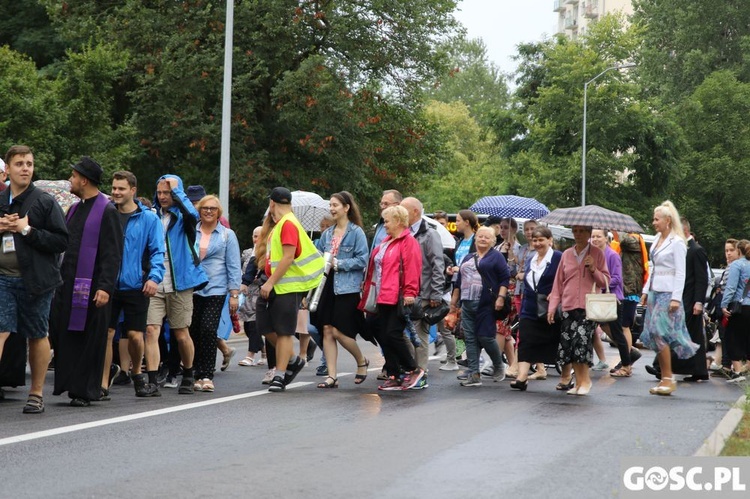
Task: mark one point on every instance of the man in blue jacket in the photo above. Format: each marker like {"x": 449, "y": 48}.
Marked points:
{"x": 183, "y": 274}
{"x": 141, "y": 272}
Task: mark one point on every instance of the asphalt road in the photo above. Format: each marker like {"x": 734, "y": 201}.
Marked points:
{"x": 446, "y": 441}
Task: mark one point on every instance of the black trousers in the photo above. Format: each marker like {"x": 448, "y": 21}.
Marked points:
{"x": 618, "y": 336}
{"x": 390, "y": 330}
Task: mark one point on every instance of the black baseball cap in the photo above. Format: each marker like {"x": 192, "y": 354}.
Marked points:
{"x": 281, "y": 195}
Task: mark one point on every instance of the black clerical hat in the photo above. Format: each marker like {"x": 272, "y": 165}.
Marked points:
{"x": 89, "y": 169}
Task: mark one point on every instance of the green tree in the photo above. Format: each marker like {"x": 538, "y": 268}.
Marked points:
{"x": 29, "y": 110}
{"x": 470, "y": 169}
{"x": 472, "y": 79}
{"x": 684, "y": 42}
{"x": 27, "y": 29}
{"x": 713, "y": 184}
{"x": 631, "y": 144}
{"x": 324, "y": 92}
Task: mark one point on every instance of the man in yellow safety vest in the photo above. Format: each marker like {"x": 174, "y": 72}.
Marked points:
{"x": 293, "y": 266}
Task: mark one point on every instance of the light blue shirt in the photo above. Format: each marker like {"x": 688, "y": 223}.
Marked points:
{"x": 221, "y": 263}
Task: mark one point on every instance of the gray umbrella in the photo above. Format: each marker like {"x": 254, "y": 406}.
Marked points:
{"x": 594, "y": 216}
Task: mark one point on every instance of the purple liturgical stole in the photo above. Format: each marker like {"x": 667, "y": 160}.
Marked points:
{"x": 86, "y": 260}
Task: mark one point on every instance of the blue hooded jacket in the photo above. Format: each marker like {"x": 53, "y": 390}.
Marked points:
{"x": 184, "y": 264}
{"x": 143, "y": 251}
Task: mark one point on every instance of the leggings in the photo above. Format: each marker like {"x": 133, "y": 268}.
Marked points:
{"x": 203, "y": 328}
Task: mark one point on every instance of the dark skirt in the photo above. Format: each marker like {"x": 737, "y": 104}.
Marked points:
{"x": 339, "y": 311}
{"x": 538, "y": 341}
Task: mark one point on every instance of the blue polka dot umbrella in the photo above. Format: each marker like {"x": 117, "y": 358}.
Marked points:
{"x": 593, "y": 216}
{"x": 510, "y": 206}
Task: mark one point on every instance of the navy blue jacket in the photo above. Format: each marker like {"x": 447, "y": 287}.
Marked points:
{"x": 543, "y": 285}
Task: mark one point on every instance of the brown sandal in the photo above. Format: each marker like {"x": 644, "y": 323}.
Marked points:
{"x": 623, "y": 372}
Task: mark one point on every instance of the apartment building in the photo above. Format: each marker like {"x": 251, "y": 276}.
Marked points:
{"x": 574, "y": 16}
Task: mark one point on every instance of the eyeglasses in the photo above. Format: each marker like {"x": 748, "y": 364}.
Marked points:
{"x": 386, "y": 205}
{"x": 209, "y": 208}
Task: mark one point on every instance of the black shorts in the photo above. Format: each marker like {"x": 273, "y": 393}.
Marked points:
{"x": 629, "y": 308}
{"x": 134, "y": 306}
{"x": 278, "y": 314}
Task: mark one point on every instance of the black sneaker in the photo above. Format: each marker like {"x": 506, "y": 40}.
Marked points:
{"x": 277, "y": 384}
{"x": 122, "y": 378}
{"x": 144, "y": 389}
{"x": 321, "y": 371}
{"x": 724, "y": 372}
{"x": 292, "y": 371}
{"x": 114, "y": 371}
{"x": 186, "y": 387}
{"x": 735, "y": 377}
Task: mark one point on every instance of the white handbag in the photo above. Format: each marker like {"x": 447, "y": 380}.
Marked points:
{"x": 601, "y": 307}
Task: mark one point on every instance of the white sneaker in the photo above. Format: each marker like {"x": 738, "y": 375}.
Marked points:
{"x": 171, "y": 382}
{"x": 449, "y": 366}
{"x": 269, "y": 376}
{"x": 714, "y": 366}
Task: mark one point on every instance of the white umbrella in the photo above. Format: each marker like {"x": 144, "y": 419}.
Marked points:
{"x": 446, "y": 238}
{"x": 310, "y": 209}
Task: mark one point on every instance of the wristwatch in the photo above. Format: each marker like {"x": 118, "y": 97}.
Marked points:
{"x": 25, "y": 231}
{"x": 234, "y": 296}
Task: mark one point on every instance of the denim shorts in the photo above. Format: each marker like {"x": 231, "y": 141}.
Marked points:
{"x": 22, "y": 312}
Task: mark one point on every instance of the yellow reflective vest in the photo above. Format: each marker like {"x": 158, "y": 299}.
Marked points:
{"x": 306, "y": 271}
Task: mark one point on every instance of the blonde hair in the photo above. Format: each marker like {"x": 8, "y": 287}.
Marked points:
{"x": 206, "y": 199}
{"x": 667, "y": 209}
{"x": 491, "y": 231}
{"x": 398, "y": 214}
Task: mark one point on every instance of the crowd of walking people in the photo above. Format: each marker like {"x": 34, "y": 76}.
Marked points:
{"x": 167, "y": 283}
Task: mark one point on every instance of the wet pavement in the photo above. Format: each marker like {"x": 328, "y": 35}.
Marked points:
{"x": 445, "y": 441}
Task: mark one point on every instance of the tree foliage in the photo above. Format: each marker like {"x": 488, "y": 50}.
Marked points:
{"x": 684, "y": 42}
{"x": 631, "y": 145}
{"x": 324, "y": 92}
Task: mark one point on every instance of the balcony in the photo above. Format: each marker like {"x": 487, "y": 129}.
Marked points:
{"x": 558, "y": 6}
{"x": 592, "y": 10}
{"x": 571, "y": 2}
{"x": 571, "y": 23}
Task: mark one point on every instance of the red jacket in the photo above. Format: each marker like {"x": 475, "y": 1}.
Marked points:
{"x": 403, "y": 248}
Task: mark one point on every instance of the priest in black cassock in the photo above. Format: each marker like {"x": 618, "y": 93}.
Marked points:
{"x": 82, "y": 305}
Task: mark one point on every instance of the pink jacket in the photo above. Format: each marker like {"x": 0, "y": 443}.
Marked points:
{"x": 405, "y": 248}
{"x": 573, "y": 281}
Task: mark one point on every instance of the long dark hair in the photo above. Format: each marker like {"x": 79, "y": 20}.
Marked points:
{"x": 471, "y": 218}
{"x": 347, "y": 199}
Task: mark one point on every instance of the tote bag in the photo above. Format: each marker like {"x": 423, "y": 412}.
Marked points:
{"x": 601, "y": 307}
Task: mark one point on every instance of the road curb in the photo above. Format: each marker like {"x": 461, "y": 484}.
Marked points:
{"x": 714, "y": 444}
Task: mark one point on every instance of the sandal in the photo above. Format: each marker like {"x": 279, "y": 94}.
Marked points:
{"x": 565, "y": 386}
{"x": 360, "y": 378}
{"x": 208, "y": 385}
{"x": 623, "y": 372}
{"x": 79, "y": 402}
{"x": 330, "y": 382}
{"x": 247, "y": 361}
{"x": 34, "y": 404}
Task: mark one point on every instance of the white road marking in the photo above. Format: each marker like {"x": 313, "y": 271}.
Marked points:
{"x": 132, "y": 417}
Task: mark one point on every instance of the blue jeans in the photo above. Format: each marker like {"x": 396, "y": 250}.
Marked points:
{"x": 474, "y": 343}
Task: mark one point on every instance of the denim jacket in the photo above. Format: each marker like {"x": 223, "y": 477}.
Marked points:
{"x": 352, "y": 258}
{"x": 221, "y": 263}
{"x": 736, "y": 289}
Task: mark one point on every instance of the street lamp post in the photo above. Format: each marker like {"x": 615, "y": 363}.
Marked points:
{"x": 226, "y": 109}
{"x": 626, "y": 65}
